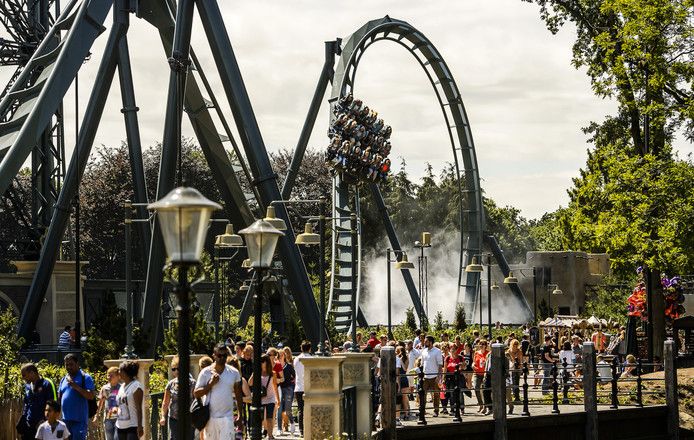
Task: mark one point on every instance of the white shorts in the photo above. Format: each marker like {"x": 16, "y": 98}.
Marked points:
{"x": 220, "y": 429}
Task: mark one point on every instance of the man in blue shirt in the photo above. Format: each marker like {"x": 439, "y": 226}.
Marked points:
{"x": 75, "y": 389}
{"x": 65, "y": 340}
{"x": 37, "y": 392}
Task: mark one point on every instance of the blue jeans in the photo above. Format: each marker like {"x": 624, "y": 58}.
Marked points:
{"x": 109, "y": 429}
{"x": 285, "y": 405}
{"x": 78, "y": 429}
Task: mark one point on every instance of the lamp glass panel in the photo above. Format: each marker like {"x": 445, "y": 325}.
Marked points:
{"x": 261, "y": 248}
{"x": 184, "y": 231}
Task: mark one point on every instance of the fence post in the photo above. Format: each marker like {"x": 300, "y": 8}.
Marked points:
{"x": 526, "y": 411}
{"x": 590, "y": 390}
{"x": 673, "y": 418}
{"x": 388, "y": 391}
{"x": 356, "y": 372}
{"x": 422, "y": 398}
{"x": 499, "y": 370}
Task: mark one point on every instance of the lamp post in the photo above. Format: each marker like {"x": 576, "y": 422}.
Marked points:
{"x": 308, "y": 238}
{"x": 183, "y": 215}
{"x": 423, "y": 268}
{"x": 129, "y": 351}
{"x": 222, "y": 241}
{"x": 261, "y": 240}
{"x": 510, "y": 279}
{"x": 555, "y": 291}
{"x": 475, "y": 267}
{"x": 353, "y": 276}
{"x": 402, "y": 264}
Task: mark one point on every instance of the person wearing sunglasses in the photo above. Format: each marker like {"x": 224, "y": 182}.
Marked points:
{"x": 169, "y": 405}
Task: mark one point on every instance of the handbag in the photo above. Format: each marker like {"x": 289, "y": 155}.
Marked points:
{"x": 199, "y": 414}
{"x": 263, "y": 388}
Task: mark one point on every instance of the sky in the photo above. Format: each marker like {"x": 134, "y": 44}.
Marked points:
{"x": 525, "y": 102}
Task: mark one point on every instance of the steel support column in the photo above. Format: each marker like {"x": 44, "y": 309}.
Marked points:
{"x": 178, "y": 61}
{"x": 332, "y": 48}
{"x": 78, "y": 163}
{"x": 264, "y": 177}
{"x": 132, "y": 132}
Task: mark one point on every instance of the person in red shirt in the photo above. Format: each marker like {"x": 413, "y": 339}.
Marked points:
{"x": 372, "y": 342}
{"x": 479, "y": 363}
{"x": 277, "y": 371}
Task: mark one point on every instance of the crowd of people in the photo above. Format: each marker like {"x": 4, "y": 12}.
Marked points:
{"x": 436, "y": 359}
{"x": 359, "y": 141}
{"x": 226, "y": 378}
{"x": 224, "y": 385}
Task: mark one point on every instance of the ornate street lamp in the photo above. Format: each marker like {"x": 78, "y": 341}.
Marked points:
{"x": 401, "y": 264}
{"x": 261, "y": 240}
{"x": 183, "y": 216}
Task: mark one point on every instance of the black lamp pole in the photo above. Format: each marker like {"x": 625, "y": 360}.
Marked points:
{"x": 489, "y": 294}
{"x": 256, "y": 408}
{"x": 215, "y": 297}
{"x": 390, "y": 331}
{"x": 353, "y": 231}
{"x": 322, "y": 334}
{"x": 182, "y": 291}
{"x": 534, "y": 294}
{"x": 128, "y": 282}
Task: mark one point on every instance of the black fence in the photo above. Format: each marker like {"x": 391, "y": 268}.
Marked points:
{"x": 530, "y": 388}
{"x": 349, "y": 412}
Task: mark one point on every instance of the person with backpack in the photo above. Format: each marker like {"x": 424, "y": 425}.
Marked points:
{"x": 284, "y": 415}
{"x": 37, "y": 391}
{"x": 268, "y": 398}
{"x": 77, "y": 399}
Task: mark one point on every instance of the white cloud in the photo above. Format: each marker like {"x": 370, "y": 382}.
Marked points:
{"x": 525, "y": 102}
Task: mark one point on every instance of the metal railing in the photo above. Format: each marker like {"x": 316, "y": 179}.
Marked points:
{"x": 158, "y": 432}
{"x": 349, "y": 412}
{"x": 624, "y": 386}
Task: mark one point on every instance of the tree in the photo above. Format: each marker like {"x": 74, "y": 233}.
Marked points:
{"x": 410, "y": 322}
{"x": 106, "y": 184}
{"x": 201, "y": 336}
{"x": 459, "y": 322}
{"x": 639, "y": 52}
{"x": 633, "y": 198}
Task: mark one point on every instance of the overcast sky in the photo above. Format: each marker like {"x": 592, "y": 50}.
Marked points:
{"x": 525, "y": 102}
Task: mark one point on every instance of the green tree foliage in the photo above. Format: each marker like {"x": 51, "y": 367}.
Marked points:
{"x": 459, "y": 321}
{"x": 620, "y": 197}
{"x": 608, "y": 302}
{"x": 106, "y": 184}
{"x": 9, "y": 344}
{"x": 410, "y": 321}
{"x": 632, "y": 199}
{"x": 639, "y": 52}
{"x": 439, "y": 323}
{"x": 201, "y": 336}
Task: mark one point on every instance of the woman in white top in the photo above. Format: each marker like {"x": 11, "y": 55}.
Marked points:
{"x": 566, "y": 353}
{"x": 130, "y": 397}
{"x": 268, "y": 383}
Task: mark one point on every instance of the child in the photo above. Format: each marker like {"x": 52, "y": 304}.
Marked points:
{"x": 52, "y": 428}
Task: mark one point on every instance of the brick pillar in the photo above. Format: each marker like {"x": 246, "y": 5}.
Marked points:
{"x": 323, "y": 397}
{"x": 356, "y": 371}
{"x": 194, "y": 369}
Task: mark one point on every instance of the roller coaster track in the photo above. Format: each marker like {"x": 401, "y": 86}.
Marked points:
{"x": 464, "y": 161}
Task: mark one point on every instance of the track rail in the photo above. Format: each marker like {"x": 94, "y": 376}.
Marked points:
{"x": 460, "y": 136}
